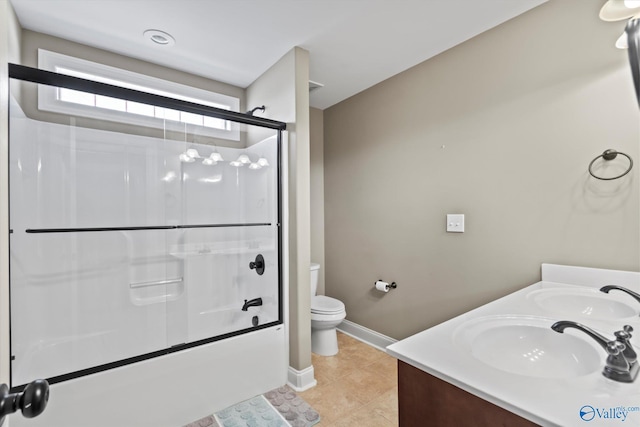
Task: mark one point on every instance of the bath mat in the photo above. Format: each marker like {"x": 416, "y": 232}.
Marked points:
{"x": 293, "y": 408}
{"x": 255, "y": 412}
{"x": 281, "y": 407}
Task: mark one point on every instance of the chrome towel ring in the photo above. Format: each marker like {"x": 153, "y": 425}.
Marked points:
{"x": 610, "y": 154}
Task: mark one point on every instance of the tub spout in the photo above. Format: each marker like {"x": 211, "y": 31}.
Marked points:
{"x": 251, "y": 303}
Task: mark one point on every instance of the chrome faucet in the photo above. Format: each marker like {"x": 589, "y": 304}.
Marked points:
{"x": 251, "y": 303}
{"x": 606, "y": 290}
{"x": 622, "y": 361}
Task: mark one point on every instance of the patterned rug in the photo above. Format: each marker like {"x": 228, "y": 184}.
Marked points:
{"x": 281, "y": 407}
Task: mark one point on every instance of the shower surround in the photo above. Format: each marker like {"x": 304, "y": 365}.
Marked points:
{"x": 130, "y": 266}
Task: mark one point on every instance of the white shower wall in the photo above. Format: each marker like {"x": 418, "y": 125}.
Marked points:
{"x": 80, "y": 300}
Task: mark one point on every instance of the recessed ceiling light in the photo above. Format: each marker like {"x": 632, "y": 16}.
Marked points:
{"x": 160, "y": 37}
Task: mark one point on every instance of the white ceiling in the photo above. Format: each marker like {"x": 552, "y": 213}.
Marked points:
{"x": 353, "y": 44}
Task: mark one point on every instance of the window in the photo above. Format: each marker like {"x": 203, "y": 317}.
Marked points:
{"x": 68, "y": 101}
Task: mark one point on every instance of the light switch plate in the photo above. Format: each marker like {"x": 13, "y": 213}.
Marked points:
{"x": 455, "y": 223}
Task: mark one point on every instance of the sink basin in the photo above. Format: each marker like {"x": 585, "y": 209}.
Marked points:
{"x": 589, "y": 303}
{"x": 526, "y": 345}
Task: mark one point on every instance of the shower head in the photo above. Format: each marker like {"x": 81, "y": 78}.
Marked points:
{"x": 262, "y": 108}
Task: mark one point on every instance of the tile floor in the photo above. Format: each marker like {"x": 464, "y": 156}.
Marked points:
{"x": 356, "y": 387}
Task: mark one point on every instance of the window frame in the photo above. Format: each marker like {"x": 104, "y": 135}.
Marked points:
{"x": 48, "y": 96}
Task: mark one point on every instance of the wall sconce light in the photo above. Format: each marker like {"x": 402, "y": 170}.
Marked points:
{"x": 193, "y": 153}
{"x": 213, "y": 159}
{"x": 623, "y": 41}
{"x": 243, "y": 159}
{"x": 216, "y": 157}
{"x": 185, "y": 158}
{"x": 617, "y": 10}
{"x": 190, "y": 156}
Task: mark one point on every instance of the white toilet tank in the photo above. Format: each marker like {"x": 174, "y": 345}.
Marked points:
{"x": 315, "y": 270}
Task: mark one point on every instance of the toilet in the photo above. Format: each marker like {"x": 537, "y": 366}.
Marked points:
{"x": 326, "y": 314}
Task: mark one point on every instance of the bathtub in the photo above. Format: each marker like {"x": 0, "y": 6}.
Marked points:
{"x": 170, "y": 390}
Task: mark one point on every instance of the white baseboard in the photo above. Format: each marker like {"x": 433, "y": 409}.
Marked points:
{"x": 301, "y": 380}
{"x": 366, "y": 335}
{"x": 304, "y": 379}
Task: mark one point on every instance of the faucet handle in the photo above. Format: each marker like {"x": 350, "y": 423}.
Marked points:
{"x": 623, "y": 337}
{"x": 615, "y": 347}
{"x": 258, "y": 265}
{"x": 616, "y": 361}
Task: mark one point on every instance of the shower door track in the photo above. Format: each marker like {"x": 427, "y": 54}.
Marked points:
{"x": 150, "y": 227}
{"x": 50, "y": 78}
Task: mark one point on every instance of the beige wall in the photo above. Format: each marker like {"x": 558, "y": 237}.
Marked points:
{"x": 283, "y": 90}
{"x": 501, "y": 129}
{"x": 317, "y": 192}
{"x": 10, "y": 40}
{"x": 32, "y": 41}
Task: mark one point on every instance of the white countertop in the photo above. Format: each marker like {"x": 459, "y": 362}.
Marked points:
{"x": 545, "y": 401}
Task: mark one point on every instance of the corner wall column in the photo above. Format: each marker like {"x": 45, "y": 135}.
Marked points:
{"x": 284, "y": 91}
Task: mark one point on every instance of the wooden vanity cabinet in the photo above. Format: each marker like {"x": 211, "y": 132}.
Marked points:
{"x": 425, "y": 401}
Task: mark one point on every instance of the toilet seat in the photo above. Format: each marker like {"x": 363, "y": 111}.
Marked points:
{"x": 322, "y": 304}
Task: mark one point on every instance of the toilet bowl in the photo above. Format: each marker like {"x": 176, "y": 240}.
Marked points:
{"x": 326, "y": 314}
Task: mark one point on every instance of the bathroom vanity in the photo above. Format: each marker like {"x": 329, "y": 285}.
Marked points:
{"x": 502, "y": 364}
{"x": 422, "y": 396}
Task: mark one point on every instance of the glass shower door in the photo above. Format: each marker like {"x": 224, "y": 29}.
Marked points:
{"x": 230, "y": 209}
{"x": 130, "y": 242}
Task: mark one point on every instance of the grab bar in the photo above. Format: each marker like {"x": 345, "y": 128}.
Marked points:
{"x": 155, "y": 283}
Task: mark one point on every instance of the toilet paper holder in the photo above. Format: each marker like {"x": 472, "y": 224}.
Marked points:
{"x": 389, "y": 286}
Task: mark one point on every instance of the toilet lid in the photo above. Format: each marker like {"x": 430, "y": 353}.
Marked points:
{"x": 326, "y": 305}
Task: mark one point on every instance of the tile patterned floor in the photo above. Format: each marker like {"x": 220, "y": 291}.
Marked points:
{"x": 357, "y": 387}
